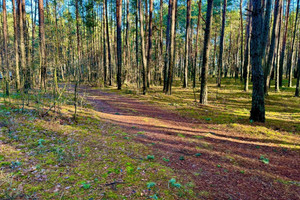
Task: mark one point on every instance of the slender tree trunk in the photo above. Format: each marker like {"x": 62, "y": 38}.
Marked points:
{"x": 242, "y": 38}
{"x": 137, "y": 44}
{"x": 290, "y": 60}
{"x": 266, "y": 27}
{"x": 144, "y": 60}
{"x": 215, "y": 53}
{"x": 161, "y": 40}
{"x": 258, "y": 103}
{"x": 26, "y": 74}
{"x": 196, "y": 43}
{"x": 105, "y": 56}
{"x": 127, "y": 47}
{"x": 56, "y": 49}
{"x": 187, "y": 38}
{"x": 22, "y": 41}
{"x": 171, "y": 47}
{"x": 204, "y": 73}
{"x": 284, "y": 42}
{"x": 220, "y": 60}
{"x": 5, "y": 69}
{"x": 269, "y": 65}
{"x": 166, "y": 63}
{"x": 42, "y": 45}
{"x": 149, "y": 43}
{"x": 17, "y": 69}
{"x": 119, "y": 43}
{"x": 247, "y": 52}
{"x": 108, "y": 46}
{"x": 33, "y": 21}
{"x": 277, "y": 57}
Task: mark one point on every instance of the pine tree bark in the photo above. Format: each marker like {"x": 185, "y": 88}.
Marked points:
{"x": 204, "y": 73}
{"x": 172, "y": 47}
{"x": 42, "y": 45}
{"x": 161, "y": 41}
{"x": 242, "y": 39}
{"x": 258, "y": 103}
{"x": 196, "y": 43}
{"x": 149, "y": 42}
{"x": 6, "y": 68}
{"x": 277, "y": 56}
{"x": 127, "y": 48}
{"x": 247, "y": 52}
{"x": 33, "y": 22}
{"x": 166, "y": 63}
{"x": 269, "y": 65}
{"x": 17, "y": 69}
{"x": 119, "y": 44}
{"x": 283, "y": 46}
{"x": 290, "y": 60}
{"x": 108, "y": 46}
{"x": 187, "y": 38}
{"x": 144, "y": 60}
{"x": 105, "y": 56}
{"x": 137, "y": 44}
{"x": 266, "y": 27}
{"x": 220, "y": 60}
{"x": 22, "y": 42}
{"x": 78, "y": 71}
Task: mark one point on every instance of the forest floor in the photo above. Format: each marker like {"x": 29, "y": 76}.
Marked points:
{"x": 156, "y": 146}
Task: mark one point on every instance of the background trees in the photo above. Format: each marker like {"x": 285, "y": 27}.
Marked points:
{"x": 94, "y": 42}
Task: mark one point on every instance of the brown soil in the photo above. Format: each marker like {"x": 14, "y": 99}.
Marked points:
{"x": 229, "y": 166}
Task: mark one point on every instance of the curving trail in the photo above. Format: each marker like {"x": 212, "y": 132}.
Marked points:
{"x": 229, "y": 166}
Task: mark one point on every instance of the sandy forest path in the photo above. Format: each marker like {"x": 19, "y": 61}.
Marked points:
{"x": 221, "y": 164}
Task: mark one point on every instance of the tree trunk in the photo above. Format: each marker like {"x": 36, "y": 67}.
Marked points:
{"x": 284, "y": 42}
{"x": 277, "y": 56}
{"x": 144, "y": 60}
{"x": 258, "y": 103}
{"x": 119, "y": 43}
{"x": 17, "y": 72}
{"x": 187, "y": 38}
{"x": 105, "y": 56}
{"x": 5, "y": 69}
{"x": 196, "y": 44}
{"x": 204, "y": 73}
{"x": 79, "y": 36}
{"x": 137, "y": 44}
{"x": 56, "y": 49}
{"x": 171, "y": 47}
{"x": 242, "y": 38}
{"x": 161, "y": 40}
{"x": 166, "y": 63}
{"x": 22, "y": 41}
{"x": 127, "y": 48}
{"x": 33, "y": 21}
{"x": 220, "y": 60}
{"x": 247, "y": 53}
{"x": 266, "y": 27}
{"x": 42, "y": 45}
{"x": 269, "y": 65}
{"x": 290, "y": 60}
{"x": 108, "y": 46}
{"x": 149, "y": 43}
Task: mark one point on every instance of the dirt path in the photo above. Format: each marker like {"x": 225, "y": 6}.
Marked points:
{"x": 222, "y": 164}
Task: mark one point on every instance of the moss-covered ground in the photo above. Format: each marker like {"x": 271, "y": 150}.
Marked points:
{"x": 53, "y": 157}
{"x": 48, "y": 155}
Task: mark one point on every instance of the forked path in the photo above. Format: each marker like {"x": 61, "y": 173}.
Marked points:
{"x": 221, "y": 164}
